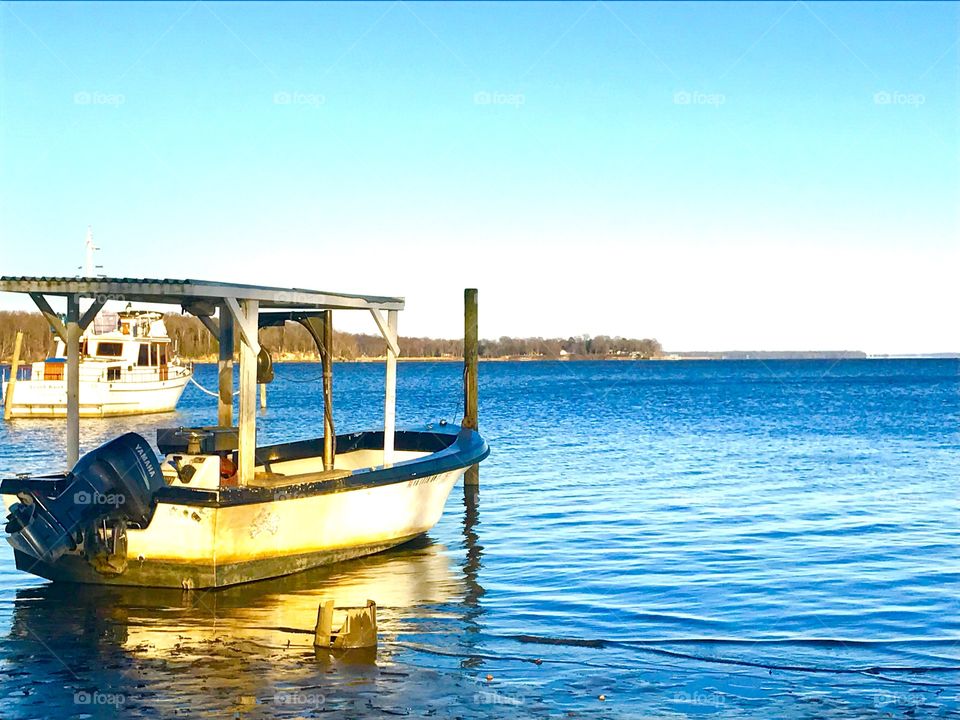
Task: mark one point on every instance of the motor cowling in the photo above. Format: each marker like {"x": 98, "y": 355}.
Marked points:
{"x": 115, "y": 483}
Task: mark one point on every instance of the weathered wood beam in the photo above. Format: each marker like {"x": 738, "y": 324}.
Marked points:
{"x": 326, "y": 360}
{"x": 225, "y": 368}
{"x": 210, "y": 324}
{"x": 389, "y": 335}
{"x": 191, "y": 291}
{"x": 12, "y": 384}
{"x": 73, "y": 380}
{"x": 245, "y": 316}
{"x": 471, "y": 352}
{"x": 91, "y": 312}
{"x": 390, "y": 390}
{"x": 52, "y": 318}
{"x": 320, "y": 327}
{"x": 248, "y": 326}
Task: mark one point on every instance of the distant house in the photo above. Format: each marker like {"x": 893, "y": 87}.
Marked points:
{"x": 564, "y": 355}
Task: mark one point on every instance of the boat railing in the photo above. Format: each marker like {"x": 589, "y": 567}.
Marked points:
{"x": 146, "y": 374}
{"x": 141, "y": 374}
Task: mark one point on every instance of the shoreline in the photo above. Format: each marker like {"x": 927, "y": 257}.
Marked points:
{"x": 207, "y": 360}
{"x": 306, "y": 359}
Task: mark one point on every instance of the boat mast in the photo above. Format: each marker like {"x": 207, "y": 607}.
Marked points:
{"x": 90, "y": 270}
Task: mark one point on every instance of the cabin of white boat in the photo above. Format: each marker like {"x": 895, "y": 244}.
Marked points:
{"x": 225, "y": 309}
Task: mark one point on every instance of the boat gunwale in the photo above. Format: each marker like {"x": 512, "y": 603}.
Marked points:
{"x": 458, "y": 448}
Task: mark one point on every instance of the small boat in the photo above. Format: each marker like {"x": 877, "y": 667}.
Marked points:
{"x": 128, "y": 366}
{"x": 217, "y": 509}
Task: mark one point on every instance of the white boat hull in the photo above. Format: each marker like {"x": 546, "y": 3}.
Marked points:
{"x": 48, "y": 398}
{"x": 200, "y": 547}
{"x": 204, "y": 534}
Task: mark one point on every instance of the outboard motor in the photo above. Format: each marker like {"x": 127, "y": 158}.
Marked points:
{"x": 109, "y": 488}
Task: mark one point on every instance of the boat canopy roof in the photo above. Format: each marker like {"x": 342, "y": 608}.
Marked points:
{"x": 191, "y": 292}
{"x": 239, "y": 307}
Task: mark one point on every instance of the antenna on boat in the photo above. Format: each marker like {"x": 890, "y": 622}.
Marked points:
{"x": 89, "y": 269}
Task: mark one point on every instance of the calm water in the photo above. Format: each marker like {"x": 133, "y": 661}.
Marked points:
{"x": 729, "y": 539}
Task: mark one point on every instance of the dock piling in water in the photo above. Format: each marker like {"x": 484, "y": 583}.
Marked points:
{"x": 471, "y": 354}
{"x": 326, "y": 364}
{"x": 73, "y": 380}
{"x": 359, "y": 628}
{"x": 14, "y": 367}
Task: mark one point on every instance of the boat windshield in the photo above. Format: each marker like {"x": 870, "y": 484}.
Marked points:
{"x": 109, "y": 349}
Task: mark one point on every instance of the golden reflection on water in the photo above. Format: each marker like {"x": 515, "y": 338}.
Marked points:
{"x": 246, "y": 648}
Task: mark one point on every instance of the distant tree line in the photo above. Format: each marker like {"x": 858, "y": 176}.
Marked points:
{"x": 37, "y": 338}
{"x": 581, "y": 346}
{"x": 292, "y": 341}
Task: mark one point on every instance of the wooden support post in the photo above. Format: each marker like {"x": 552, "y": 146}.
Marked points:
{"x": 390, "y": 391}
{"x": 326, "y": 363}
{"x": 320, "y": 328}
{"x": 73, "y": 380}
{"x": 249, "y": 347}
{"x": 225, "y": 369}
{"x": 263, "y": 396}
{"x": 471, "y": 353}
{"x": 14, "y": 367}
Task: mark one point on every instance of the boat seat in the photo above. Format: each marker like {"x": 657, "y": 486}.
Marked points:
{"x": 278, "y": 480}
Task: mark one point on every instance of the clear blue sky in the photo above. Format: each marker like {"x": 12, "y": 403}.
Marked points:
{"x": 758, "y": 175}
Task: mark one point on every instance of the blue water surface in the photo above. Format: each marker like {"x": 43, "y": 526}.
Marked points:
{"x": 685, "y": 539}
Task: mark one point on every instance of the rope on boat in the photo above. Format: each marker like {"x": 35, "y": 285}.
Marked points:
{"x": 208, "y": 392}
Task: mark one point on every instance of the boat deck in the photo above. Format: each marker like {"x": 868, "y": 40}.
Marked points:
{"x": 283, "y": 473}
{"x": 279, "y": 480}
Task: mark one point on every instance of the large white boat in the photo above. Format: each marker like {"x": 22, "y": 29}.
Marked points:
{"x": 127, "y": 367}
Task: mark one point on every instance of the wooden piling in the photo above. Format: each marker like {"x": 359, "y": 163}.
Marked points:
{"x": 390, "y": 393}
{"x": 470, "y": 358}
{"x": 73, "y": 380}
{"x": 471, "y": 355}
{"x": 323, "y": 632}
{"x": 14, "y": 367}
{"x": 263, "y": 396}
{"x": 225, "y": 369}
{"x": 359, "y": 628}
{"x": 326, "y": 361}
{"x": 249, "y": 347}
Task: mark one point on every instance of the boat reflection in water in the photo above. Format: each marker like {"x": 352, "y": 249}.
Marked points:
{"x": 247, "y": 648}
